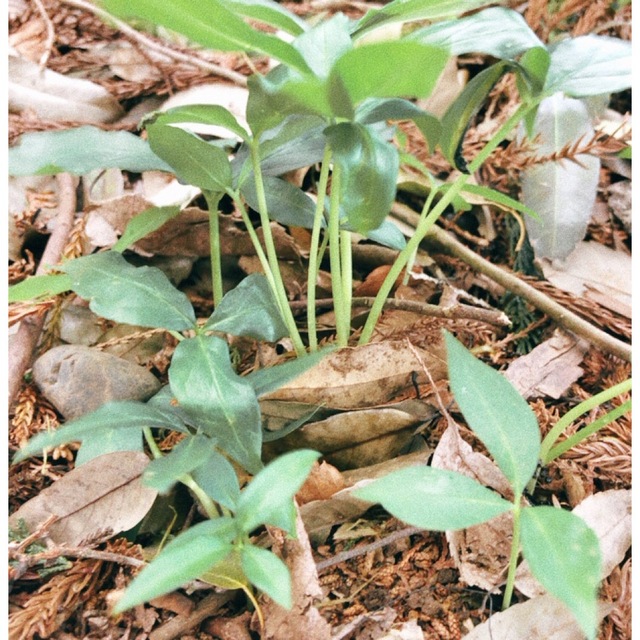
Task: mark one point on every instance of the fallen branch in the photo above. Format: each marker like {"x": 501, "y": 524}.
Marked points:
{"x": 23, "y": 344}
{"x": 441, "y": 241}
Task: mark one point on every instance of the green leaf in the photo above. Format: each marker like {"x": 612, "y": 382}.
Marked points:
{"x": 265, "y": 381}
{"x": 564, "y": 555}
{"x": 495, "y": 196}
{"x": 183, "y": 559}
{"x": 496, "y": 412}
{"x": 211, "y": 114}
{"x": 434, "y": 499}
{"x": 322, "y": 45}
{"x": 563, "y": 193}
{"x": 192, "y": 159}
{"x": 35, "y": 287}
{"x": 396, "y": 68}
{"x": 143, "y": 224}
{"x": 410, "y": 10}
{"x": 108, "y": 418}
{"x": 219, "y": 401}
{"x": 189, "y": 454}
{"x": 267, "y": 572}
{"x": 268, "y": 499}
{"x": 496, "y": 31}
{"x": 119, "y": 291}
{"x": 270, "y": 13}
{"x": 382, "y": 109}
{"x": 210, "y": 24}
{"x": 249, "y": 310}
{"x": 218, "y": 479}
{"x": 109, "y": 441}
{"x": 589, "y": 65}
{"x": 389, "y": 235}
{"x": 81, "y": 150}
{"x": 369, "y": 173}
{"x": 457, "y": 119}
{"x": 535, "y": 66}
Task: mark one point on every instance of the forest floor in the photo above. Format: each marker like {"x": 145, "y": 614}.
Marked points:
{"x": 398, "y": 582}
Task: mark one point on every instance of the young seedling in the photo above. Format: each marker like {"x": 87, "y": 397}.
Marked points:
{"x": 562, "y": 551}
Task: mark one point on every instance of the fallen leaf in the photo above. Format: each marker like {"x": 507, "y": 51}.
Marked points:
{"x": 541, "y": 618}
{"x": 323, "y": 481}
{"x": 303, "y": 620}
{"x": 596, "y": 273}
{"x": 550, "y": 369}
{"x": 53, "y": 96}
{"x": 99, "y": 499}
{"x": 129, "y": 64}
{"x": 366, "y": 376}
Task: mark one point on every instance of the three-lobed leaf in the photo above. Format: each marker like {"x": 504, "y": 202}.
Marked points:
{"x": 118, "y": 291}
{"x": 496, "y": 412}
{"x": 564, "y": 555}
{"x": 221, "y": 403}
{"x": 437, "y": 499}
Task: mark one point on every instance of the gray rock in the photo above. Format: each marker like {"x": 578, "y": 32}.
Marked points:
{"x": 78, "y": 379}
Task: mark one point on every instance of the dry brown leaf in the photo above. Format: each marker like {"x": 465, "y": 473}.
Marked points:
{"x": 550, "y": 369}
{"x": 364, "y": 377}
{"x": 323, "y": 481}
{"x": 96, "y": 500}
{"x": 360, "y": 438}
{"x": 303, "y": 620}
{"x": 542, "y": 618}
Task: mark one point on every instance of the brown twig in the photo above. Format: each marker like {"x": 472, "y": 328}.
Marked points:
{"x": 162, "y": 49}
{"x": 456, "y": 311}
{"x": 23, "y": 344}
{"x": 51, "y": 34}
{"x": 32, "y": 559}
{"x": 440, "y": 240}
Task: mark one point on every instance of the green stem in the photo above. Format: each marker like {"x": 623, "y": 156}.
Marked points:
{"x": 213, "y": 200}
{"x": 580, "y": 409}
{"x": 279, "y": 290}
{"x": 314, "y": 253}
{"x": 342, "y": 331}
{"x": 584, "y": 433}
{"x": 151, "y": 443}
{"x": 515, "y": 552}
{"x": 429, "y": 220}
{"x": 346, "y": 269}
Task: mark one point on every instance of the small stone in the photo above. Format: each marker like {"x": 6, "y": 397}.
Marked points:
{"x": 77, "y": 379}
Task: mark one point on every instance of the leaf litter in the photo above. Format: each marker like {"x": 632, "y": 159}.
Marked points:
{"x": 420, "y": 584}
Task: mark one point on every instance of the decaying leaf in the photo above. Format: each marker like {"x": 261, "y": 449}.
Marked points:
{"x": 366, "y": 376}
{"x": 596, "y": 273}
{"x": 550, "y": 369}
{"x": 542, "y": 618}
{"x": 323, "y": 481}
{"x": 96, "y": 500}
{"x": 303, "y": 620}
{"x": 56, "y": 97}
{"x": 608, "y": 513}
{"x": 353, "y": 439}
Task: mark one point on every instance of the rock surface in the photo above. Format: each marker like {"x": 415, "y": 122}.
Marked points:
{"x": 78, "y": 379}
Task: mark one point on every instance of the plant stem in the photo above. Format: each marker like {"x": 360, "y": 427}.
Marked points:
{"x": 314, "y": 253}
{"x": 515, "y": 552}
{"x": 428, "y": 220}
{"x": 213, "y": 200}
{"x": 277, "y": 284}
{"x": 342, "y": 324}
{"x": 346, "y": 268}
{"x": 580, "y": 409}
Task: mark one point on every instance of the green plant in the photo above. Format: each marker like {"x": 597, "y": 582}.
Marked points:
{"x": 562, "y": 551}
{"x": 329, "y": 101}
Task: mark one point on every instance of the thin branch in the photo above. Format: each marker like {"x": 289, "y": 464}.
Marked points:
{"x": 23, "y": 344}
{"x": 162, "y": 49}
{"x": 83, "y": 553}
{"x": 456, "y": 311}
{"x": 440, "y": 240}
{"x": 51, "y": 34}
